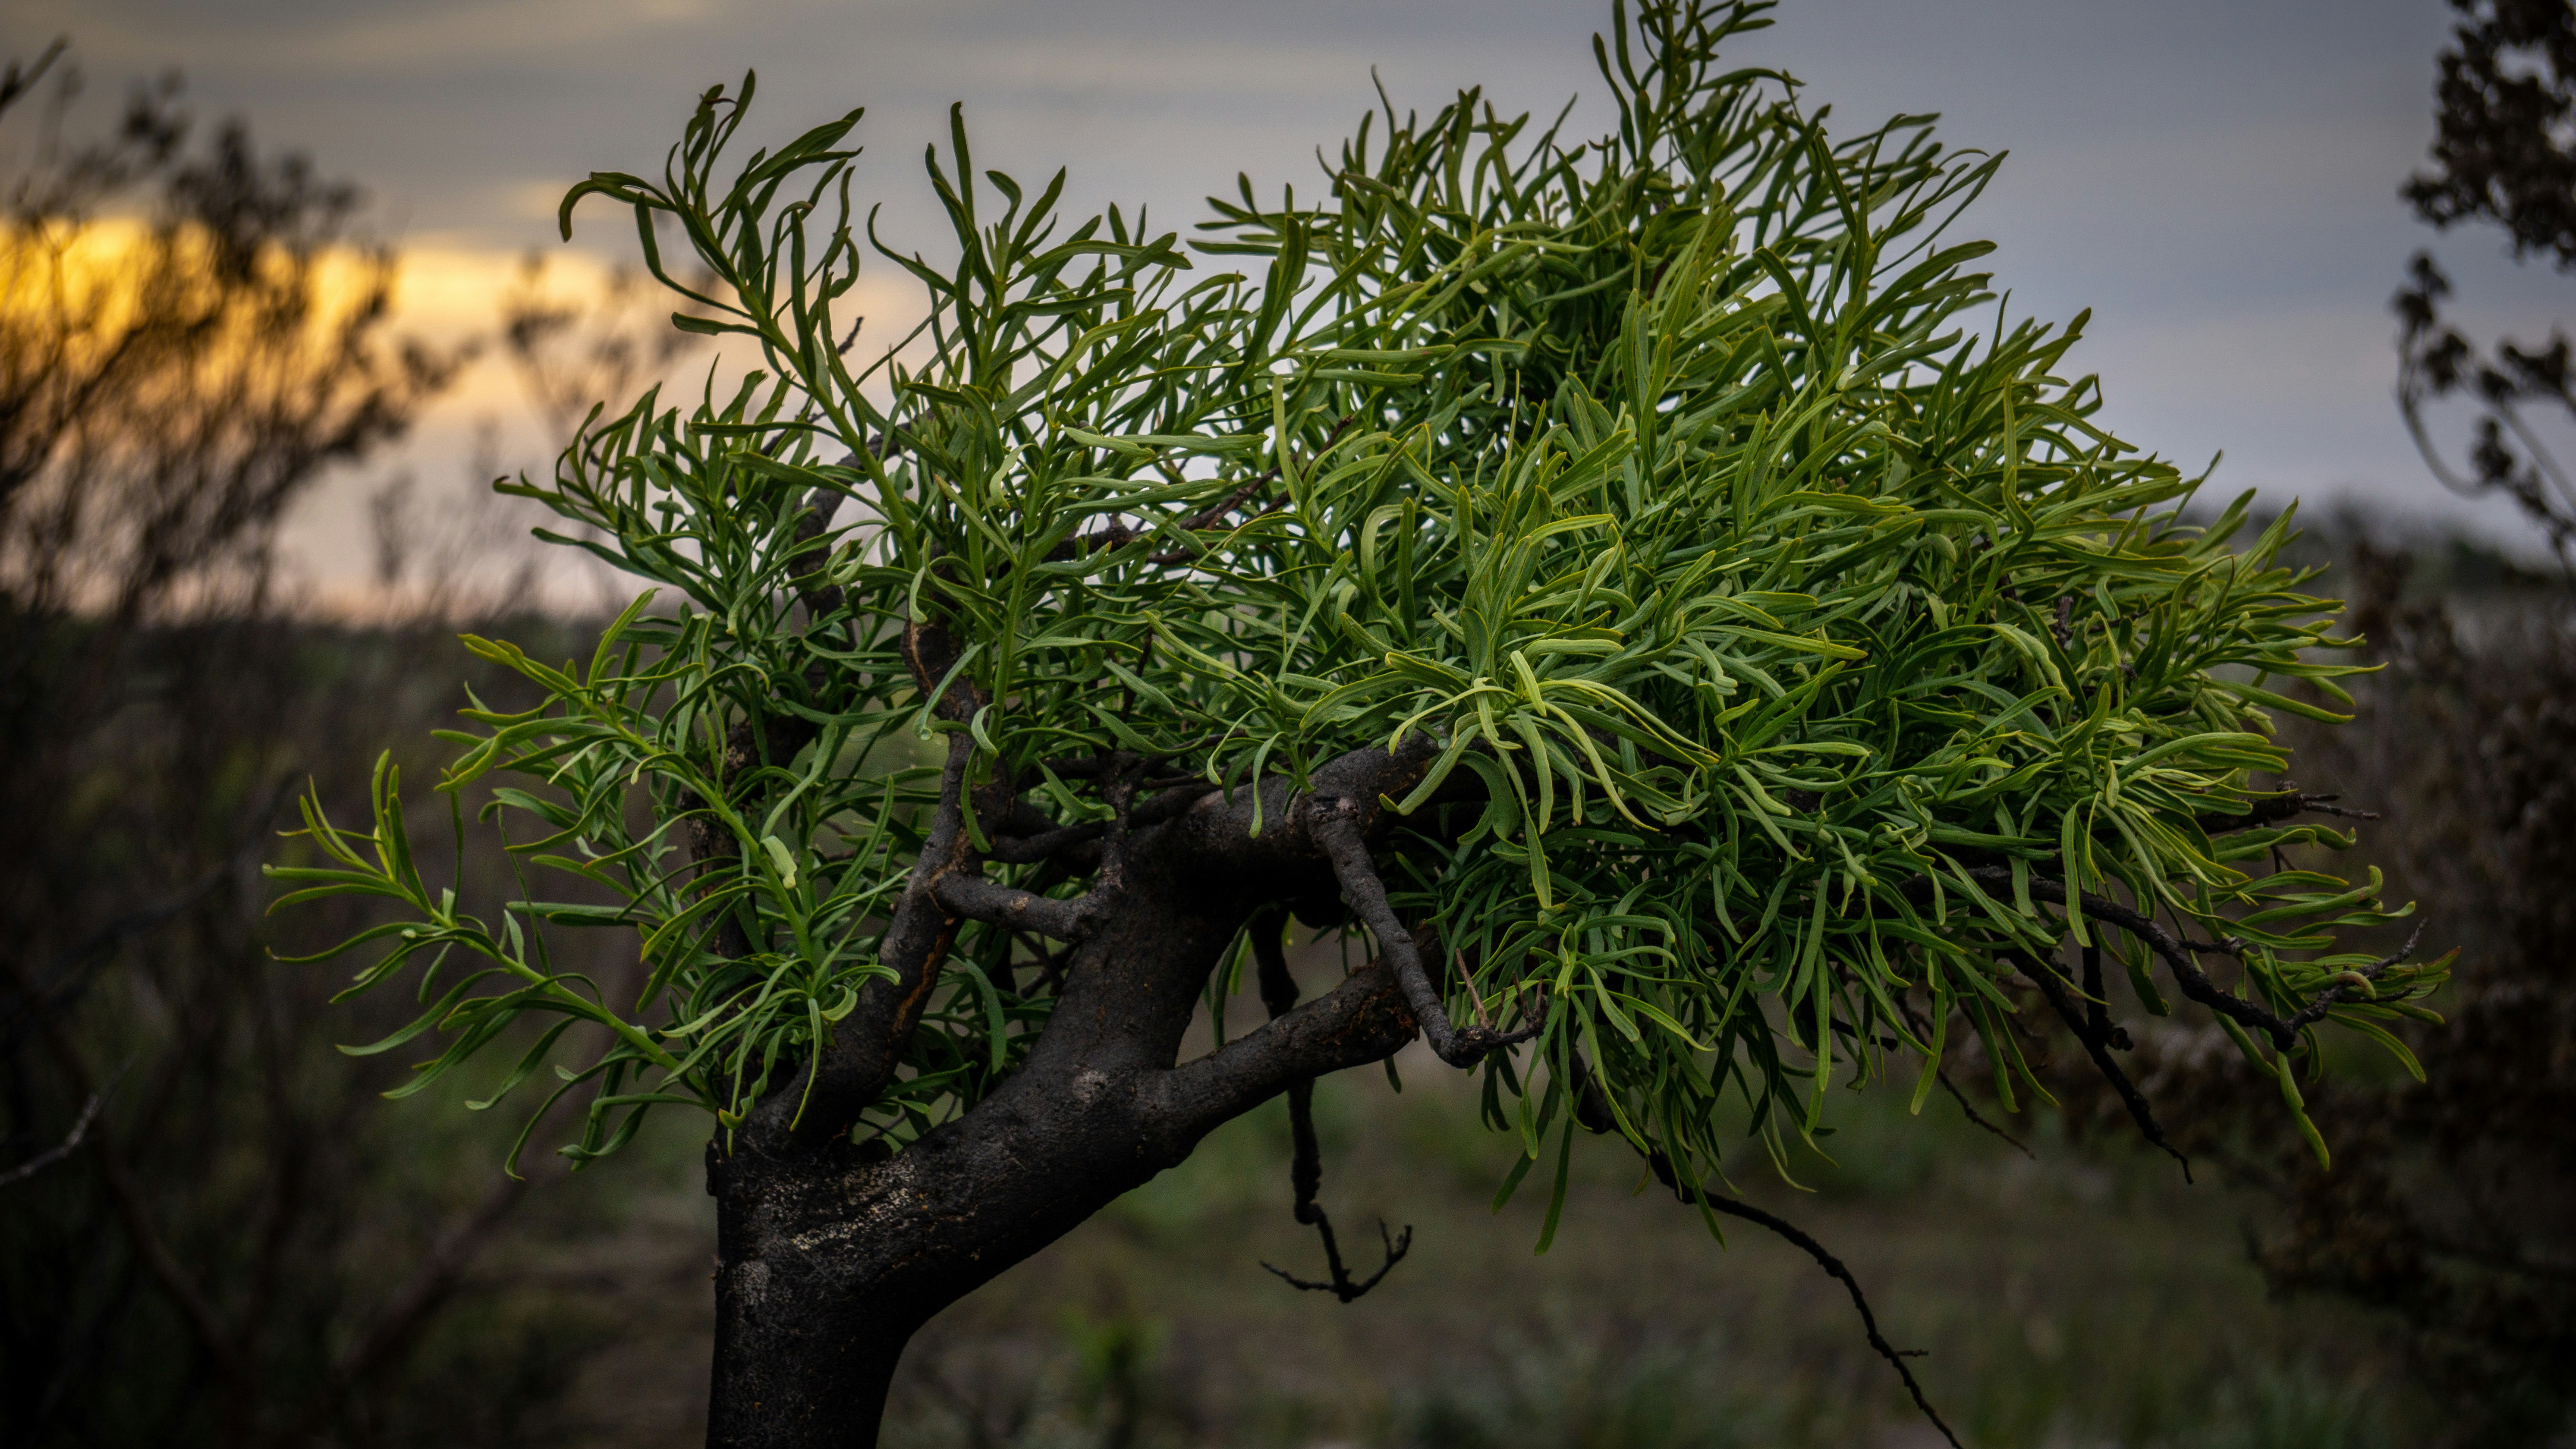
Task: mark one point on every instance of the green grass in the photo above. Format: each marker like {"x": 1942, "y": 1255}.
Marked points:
{"x": 2086, "y": 1298}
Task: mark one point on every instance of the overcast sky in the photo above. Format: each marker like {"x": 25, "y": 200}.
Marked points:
{"x": 2216, "y": 181}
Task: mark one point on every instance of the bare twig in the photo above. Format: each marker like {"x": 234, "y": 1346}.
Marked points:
{"x": 2273, "y": 809}
{"x": 19, "y": 79}
{"x": 64, "y": 982}
{"x": 1592, "y": 1112}
{"x": 429, "y": 1288}
{"x": 56, "y": 1153}
{"x": 2177, "y": 953}
{"x": 1977, "y": 1117}
{"x": 1924, "y": 1029}
{"x": 131, "y": 1210}
{"x": 1306, "y": 1171}
{"x": 1342, "y": 1285}
{"x": 979, "y": 899}
{"x": 1250, "y": 490}
{"x": 1833, "y": 1267}
{"x": 431, "y": 1284}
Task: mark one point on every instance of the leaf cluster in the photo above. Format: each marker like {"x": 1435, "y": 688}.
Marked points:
{"x": 1778, "y": 610}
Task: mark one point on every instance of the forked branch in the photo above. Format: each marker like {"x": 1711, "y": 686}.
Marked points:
{"x": 868, "y": 1048}
{"x": 2177, "y": 954}
{"x": 2093, "y": 1029}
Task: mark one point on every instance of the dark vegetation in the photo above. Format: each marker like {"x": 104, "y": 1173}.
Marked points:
{"x": 2448, "y": 1209}
{"x": 212, "y": 1230}
{"x": 2504, "y": 155}
{"x": 2453, "y": 1213}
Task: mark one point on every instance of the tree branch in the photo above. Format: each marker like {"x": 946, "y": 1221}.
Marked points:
{"x": 1922, "y": 1029}
{"x": 781, "y": 735}
{"x": 62, "y": 984}
{"x": 1363, "y": 1020}
{"x": 2273, "y": 809}
{"x": 979, "y": 899}
{"x": 1119, "y": 535}
{"x": 1261, "y": 831}
{"x": 821, "y": 598}
{"x": 70, "y": 1144}
{"x": 868, "y": 1046}
{"x": 1592, "y": 1112}
{"x": 2096, "y": 1038}
{"x": 1037, "y": 838}
{"x": 1250, "y": 490}
{"x": 1833, "y": 1266}
{"x": 1341, "y": 1285}
{"x": 1335, "y": 825}
{"x": 131, "y": 1210}
{"x": 1030, "y": 849}
{"x": 2176, "y": 953}
{"x": 430, "y": 1286}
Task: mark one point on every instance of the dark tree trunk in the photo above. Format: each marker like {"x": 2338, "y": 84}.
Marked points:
{"x": 801, "y": 1355}
{"x": 827, "y": 1265}
{"x": 828, "y": 1261}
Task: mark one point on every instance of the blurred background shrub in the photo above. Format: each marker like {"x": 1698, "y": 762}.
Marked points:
{"x": 243, "y": 1244}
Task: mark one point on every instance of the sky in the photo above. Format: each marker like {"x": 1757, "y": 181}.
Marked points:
{"x": 2217, "y": 182}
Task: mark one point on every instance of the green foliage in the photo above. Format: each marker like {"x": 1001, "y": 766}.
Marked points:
{"x": 1685, "y": 486}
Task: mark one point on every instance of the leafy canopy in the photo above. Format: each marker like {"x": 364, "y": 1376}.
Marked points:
{"x": 1777, "y": 608}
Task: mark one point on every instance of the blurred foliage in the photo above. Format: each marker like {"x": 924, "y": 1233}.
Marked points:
{"x": 189, "y": 336}
{"x": 210, "y": 1231}
{"x": 2504, "y": 153}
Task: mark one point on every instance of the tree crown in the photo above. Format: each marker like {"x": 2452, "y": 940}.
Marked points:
{"x": 1775, "y": 639}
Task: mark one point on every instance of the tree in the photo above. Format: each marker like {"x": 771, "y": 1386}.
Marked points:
{"x": 1604, "y": 577}
{"x": 169, "y": 384}
{"x": 207, "y": 1236}
{"x": 2503, "y": 152}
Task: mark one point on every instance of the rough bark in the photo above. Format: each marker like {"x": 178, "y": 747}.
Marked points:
{"x": 829, "y": 1261}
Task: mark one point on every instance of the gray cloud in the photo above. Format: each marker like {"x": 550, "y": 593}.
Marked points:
{"x": 2216, "y": 180}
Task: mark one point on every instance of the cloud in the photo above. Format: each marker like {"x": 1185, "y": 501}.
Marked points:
{"x": 398, "y": 37}
{"x": 2216, "y": 177}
